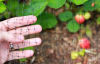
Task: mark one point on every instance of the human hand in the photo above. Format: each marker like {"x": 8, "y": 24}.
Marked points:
{"x": 12, "y": 31}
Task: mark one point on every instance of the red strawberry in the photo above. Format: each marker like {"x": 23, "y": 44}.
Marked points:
{"x": 84, "y": 43}
{"x": 79, "y": 18}
{"x": 93, "y": 4}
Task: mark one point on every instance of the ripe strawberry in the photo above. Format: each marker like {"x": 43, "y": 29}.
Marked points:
{"x": 93, "y": 4}
{"x": 84, "y": 43}
{"x": 87, "y": 15}
{"x": 79, "y": 18}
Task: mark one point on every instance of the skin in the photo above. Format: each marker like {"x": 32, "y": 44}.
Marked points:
{"x": 12, "y": 31}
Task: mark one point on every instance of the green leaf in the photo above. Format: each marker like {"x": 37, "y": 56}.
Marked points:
{"x": 56, "y": 3}
{"x": 23, "y": 60}
{"x": 1, "y": 0}
{"x": 65, "y": 16}
{"x": 35, "y": 8}
{"x": 2, "y": 7}
{"x": 97, "y": 4}
{"x": 98, "y": 20}
{"x": 47, "y": 20}
{"x": 13, "y": 6}
{"x": 38, "y": 1}
{"x": 67, "y": 5}
{"x": 27, "y": 48}
{"x": 6, "y": 15}
{"x": 20, "y": 9}
{"x": 73, "y": 26}
{"x": 79, "y": 2}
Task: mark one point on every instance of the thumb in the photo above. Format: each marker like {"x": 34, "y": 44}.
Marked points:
{"x": 5, "y": 36}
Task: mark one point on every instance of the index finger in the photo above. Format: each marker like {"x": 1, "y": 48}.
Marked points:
{"x": 17, "y": 22}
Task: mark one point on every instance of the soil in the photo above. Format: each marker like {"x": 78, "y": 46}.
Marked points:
{"x": 58, "y": 44}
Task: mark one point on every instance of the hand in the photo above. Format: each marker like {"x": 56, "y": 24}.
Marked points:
{"x": 13, "y": 32}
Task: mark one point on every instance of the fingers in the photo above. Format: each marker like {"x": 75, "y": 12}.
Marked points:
{"x": 5, "y": 36}
{"x": 18, "y": 21}
{"x": 24, "y": 54}
{"x": 20, "y": 54}
{"x": 28, "y": 43}
{"x": 27, "y": 30}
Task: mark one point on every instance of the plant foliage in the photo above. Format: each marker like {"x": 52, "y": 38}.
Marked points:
{"x": 47, "y": 20}
{"x": 56, "y": 3}
{"x": 2, "y": 7}
{"x": 65, "y": 16}
{"x": 79, "y": 2}
{"x": 73, "y": 26}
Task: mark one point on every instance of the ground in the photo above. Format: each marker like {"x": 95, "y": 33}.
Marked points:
{"x": 58, "y": 43}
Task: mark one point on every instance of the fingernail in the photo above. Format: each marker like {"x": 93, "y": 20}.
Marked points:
{"x": 32, "y": 18}
{"x": 38, "y": 28}
{"x": 29, "y": 52}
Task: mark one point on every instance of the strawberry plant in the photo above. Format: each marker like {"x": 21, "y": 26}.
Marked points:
{"x": 38, "y": 7}
{"x": 35, "y": 8}
{"x": 2, "y": 7}
{"x": 48, "y": 20}
{"x": 56, "y": 3}
{"x": 79, "y": 2}
{"x": 73, "y": 26}
{"x": 1, "y": 0}
{"x": 91, "y": 5}
{"x": 65, "y": 16}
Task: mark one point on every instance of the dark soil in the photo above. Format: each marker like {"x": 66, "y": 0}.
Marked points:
{"x": 58, "y": 43}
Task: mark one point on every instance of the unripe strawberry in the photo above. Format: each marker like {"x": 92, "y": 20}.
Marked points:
{"x": 87, "y": 15}
{"x": 79, "y": 18}
{"x": 84, "y": 43}
{"x": 74, "y": 55}
{"x": 82, "y": 52}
